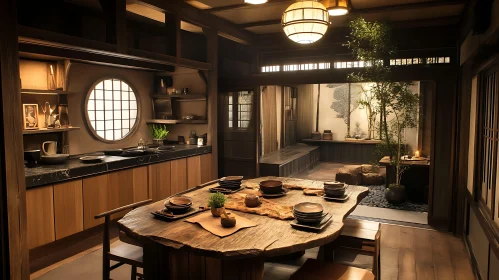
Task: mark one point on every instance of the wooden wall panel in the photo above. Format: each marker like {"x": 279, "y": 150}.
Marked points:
{"x": 40, "y": 216}
{"x": 140, "y": 184}
{"x": 120, "y": 187}
{"x": 160, "y": 180}
{"x": 68, "y": 208}
{"x": 269, "y": 118}
{"x": 306, "y": 114}
{"x": 193, "y": 171}
{"x": 178, "y": 175}
{"x": 206, "y": 174}
{"x": 95, "y": 200}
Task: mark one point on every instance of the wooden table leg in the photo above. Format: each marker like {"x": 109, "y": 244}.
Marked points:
{"x": 162, "y": 263}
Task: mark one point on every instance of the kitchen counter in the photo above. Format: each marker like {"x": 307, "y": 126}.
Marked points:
{"x": 73, "y": 168}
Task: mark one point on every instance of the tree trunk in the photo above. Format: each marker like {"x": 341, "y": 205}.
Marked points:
{"x": 349, "y": 108}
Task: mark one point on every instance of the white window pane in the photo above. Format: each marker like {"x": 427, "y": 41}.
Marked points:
{"x": 133, "y": 105}
{"x": 100, "y": 133}
{"x": 109, "y": 135}
{"x": 133, "y": 114}
{"x": 100, "y": 125}
{"x": 108, "y": 115}
{"x": 116, "y": 105}
{"x": 117, "y": 95}
{"x": 125, "y": 132}
{"x": 125, "y": 114}
{"x": 117, "y": 134}
{"x": 124, "y": 86}
{"x": 108, "y": 95}
{"x": 132, "y": 96}
{"x": 125, "y": 123}
{"x": 92, "y": 123}
{"x": 108, "y": 105}
{"x": 124, "y": 105}
{"x": 117, "y": 114}
{"x": 108, "y": 85}
{"x": 109, "y": 124}
{"x": 99, "y": 85}
{"x": 132, "y": 122}
{"x": 116, "y": 85}
{"x": 99, "y": 115}
{"x": 91, "y": 105}
{"x": 117, "y": 124}
{"x": 99, "y": 105}
{"x": 91, "y": 115}
{"x": 99, "y": 94}
{"x": 92, "y": 95}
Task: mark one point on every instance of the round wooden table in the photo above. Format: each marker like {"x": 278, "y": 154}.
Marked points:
{"x": 181, "y": 250}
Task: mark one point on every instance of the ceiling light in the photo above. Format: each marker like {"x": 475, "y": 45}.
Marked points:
{"x": 305, "y": 22}
{"x": 336, "y": 7}
{"x": 255, "y": 2}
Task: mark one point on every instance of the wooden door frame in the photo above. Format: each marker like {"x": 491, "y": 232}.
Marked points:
{"x": 14, "y": 252}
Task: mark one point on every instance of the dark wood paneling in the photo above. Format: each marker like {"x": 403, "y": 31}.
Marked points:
{"x": 347, "y": 152}
{"x": 13, "y": 246}
{"x": 294, "y": 166}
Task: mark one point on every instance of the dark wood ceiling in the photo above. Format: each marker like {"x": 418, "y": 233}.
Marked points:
{"x": 265, "y": 18}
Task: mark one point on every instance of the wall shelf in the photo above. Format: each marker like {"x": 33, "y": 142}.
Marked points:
{"x": 49, "y": 130}
{"x": 45, "y": 91}
{"x": 182, "y": 97}
{"x": 178, "y": 121}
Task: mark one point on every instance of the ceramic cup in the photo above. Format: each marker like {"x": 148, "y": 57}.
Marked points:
{"x": 49, "y": 148}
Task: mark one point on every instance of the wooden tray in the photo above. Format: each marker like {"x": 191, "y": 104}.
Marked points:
{"x": 161, "y": 214}
{"x": 314, "y": 228}
{"x": 228, "y": 191}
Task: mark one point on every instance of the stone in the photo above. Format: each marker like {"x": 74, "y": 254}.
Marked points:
{"x": 350, "y": 174}
{"x": 372, "y": 179}
{"x": 369, "y": 168}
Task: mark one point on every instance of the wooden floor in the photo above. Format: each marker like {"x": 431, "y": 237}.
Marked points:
{"x": 410, "y": 253}
{"x": 406, "y": 253}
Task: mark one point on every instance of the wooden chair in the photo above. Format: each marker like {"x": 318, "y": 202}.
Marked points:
{"x": 326, "y": 270}
{"x": 123, "y": 253}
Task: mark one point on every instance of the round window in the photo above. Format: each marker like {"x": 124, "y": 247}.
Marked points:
{"x": 111, "y": 109}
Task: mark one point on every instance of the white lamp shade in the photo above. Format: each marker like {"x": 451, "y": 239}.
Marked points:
{"x": 255, "y": 2}
{"x": 305, "y": 22}
{"x": 338, "y": 11}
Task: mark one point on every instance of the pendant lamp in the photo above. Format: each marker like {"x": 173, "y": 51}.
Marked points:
{"x": 305, "y": 22}
{"x": 255, "y": 2}
{"x": 336, "y": 7}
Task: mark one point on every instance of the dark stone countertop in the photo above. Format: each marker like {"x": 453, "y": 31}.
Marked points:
{"x": 73, "y": 168}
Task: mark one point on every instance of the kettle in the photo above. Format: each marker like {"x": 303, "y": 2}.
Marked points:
{"x": 193, "y": 138}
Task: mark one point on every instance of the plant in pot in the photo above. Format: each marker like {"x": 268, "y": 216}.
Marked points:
{"x": 371, "y": 43}
{"x": 216, "y": 202}
{"x": 159, "y": 133}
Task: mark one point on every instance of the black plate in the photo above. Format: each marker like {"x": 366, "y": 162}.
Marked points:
{"x": 311, "y": 227}
{"x": 161, "y": 214}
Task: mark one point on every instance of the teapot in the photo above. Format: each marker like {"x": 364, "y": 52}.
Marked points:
{"x": 193, "y": 138}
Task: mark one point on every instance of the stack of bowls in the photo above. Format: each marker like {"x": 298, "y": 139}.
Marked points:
{"x": 308, "y": 213}
{"x": 334, "y": 189}
{"x": 271, "y": 187}
{"x": 178, "y": 204}
{"x": 231, "y": 182}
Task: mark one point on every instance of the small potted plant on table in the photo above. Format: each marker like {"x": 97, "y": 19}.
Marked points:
{"x": 216, "y": 203}
{"x": 159, "y": 133}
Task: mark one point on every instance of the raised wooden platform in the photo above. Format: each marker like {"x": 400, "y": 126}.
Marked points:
{"x": 289, "y": 160}
{"x": 351, "y": 151}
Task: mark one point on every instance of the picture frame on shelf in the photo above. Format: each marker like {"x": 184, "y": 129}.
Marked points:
{"x": 30, "y": 116}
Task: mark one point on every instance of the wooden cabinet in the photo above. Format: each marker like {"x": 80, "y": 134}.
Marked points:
{"x": 178, "y": 175}
{"x": 193, "y": 171}
{"x": 160, "y": 180}
{"x": 68, "y": 208}
{"x": 141, "y": 190}
{"x": 95, "y": 199}
{"x": 205, "y": 167}
{"x": 40, "y": 216}
{"x": 120, "y": 187}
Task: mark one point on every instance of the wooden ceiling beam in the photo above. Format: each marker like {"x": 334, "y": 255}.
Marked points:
{"x": 242, "y": 5}
{"x": 360, "y": 12}
{"x": 203, "y": 19}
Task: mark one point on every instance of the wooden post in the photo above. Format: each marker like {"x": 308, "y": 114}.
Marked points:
{"x": 173, "y": 39}
{"x": 14, "y": 249}
{"x": 212, "y": 91}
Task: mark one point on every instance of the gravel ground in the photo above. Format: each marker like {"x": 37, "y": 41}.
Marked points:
{"x": 376, "y": 198}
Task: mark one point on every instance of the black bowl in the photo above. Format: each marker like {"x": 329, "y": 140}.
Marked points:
{"x": 271, "y": 186}
{"x": 32, "y": 155}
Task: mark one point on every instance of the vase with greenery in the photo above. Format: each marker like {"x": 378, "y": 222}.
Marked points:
{"x": 216, "y": 202}
{"x": 159, "y": 133}
{"x": 371, "y": 43}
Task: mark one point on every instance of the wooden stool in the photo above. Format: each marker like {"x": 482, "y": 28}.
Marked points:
{"x": 362, "y": 237}
{"x": 123, "y": 253}
{"x": 315, "y": 269}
